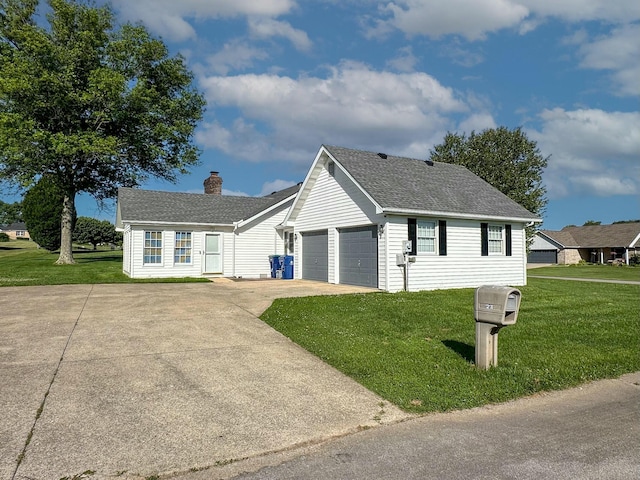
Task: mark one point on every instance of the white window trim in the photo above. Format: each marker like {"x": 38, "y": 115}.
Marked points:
{"x": 435, "y": 236}
{"x": 175, "y": 247}
{"x": 162, "y": 244}
{"x": 502, "y": 239}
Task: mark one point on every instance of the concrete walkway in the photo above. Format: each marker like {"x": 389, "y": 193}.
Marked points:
{"x": 131, "y": 381}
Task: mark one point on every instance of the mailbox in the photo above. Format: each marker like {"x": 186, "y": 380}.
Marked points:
{"x": 497, "y": 305}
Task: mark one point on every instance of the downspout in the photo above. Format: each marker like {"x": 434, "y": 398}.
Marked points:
{"x": 233, "y": 247}
{"x": 387, "y": 272}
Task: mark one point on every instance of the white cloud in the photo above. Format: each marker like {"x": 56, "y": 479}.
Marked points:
{"x": 614, "y": 11}
{"x": 286, "y": 118}
{"x": 477, "y": 122}
{"x": 620, "y": 52}
{"x": 405, "y": 61}
{"x": 462, "y": 56}
{"x": 275, "y": 186}
{"x": 267, "y": 28}
{"x": 167, "y": 17}
{"x": 234, "y": 55}
{"x": 592, "y": 151}
{"x": 233, "y": 193}
{"x": 474, "y": 19}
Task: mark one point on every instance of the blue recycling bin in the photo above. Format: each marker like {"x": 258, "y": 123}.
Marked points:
{"x": 274, "y": 261}
{"x": 287, "y": 268}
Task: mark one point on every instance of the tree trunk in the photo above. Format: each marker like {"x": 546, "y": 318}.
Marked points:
{"x": 66, "y": 249}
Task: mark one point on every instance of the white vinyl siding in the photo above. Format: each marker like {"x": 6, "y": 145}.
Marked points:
{"x": 138, "y": 269}
{"x": 332, "y": 203}
{"x": 462, "y": 267}
{"x": 256, "y": 241}
{"x": 126, "y": 250}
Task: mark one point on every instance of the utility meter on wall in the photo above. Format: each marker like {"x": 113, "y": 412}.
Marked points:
{"x": 407, "y": 246}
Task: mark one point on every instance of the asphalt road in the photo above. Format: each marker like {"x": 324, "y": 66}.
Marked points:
{"x": 588, "y": 433}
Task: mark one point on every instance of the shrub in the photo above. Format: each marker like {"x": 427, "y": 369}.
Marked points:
{"x": 42, "y": 210}
{"x": 4, "y": 237}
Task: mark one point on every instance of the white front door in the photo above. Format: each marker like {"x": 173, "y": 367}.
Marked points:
{"x": 212, "y": 253}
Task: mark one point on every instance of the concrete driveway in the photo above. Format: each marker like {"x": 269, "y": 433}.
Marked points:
{"x": 131, "y": 381}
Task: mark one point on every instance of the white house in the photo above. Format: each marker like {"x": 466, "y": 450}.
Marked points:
{"x": 168, "y": 234}
{"x": 355, "y": 209}
{"x": 346, "y": 223}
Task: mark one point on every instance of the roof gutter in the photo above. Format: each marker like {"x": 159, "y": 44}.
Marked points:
{"x": 465, "y": 216}
{"x": 144, "y": 222}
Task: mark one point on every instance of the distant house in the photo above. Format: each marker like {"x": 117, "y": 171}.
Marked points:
{"x": 168, "y": 234}
{"x": 591, "y": 243}
{"x": 16, "y": 231}
{"x": 349, "y": 222}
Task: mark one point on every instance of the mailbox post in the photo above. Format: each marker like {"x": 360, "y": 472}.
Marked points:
{"x": 495, "y": 307}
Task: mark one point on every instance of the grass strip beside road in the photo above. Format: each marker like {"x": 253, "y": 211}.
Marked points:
{"x": 417, "y": 349}
{"x": 600, "y": 272}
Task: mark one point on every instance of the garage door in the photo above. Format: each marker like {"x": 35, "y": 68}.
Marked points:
{"x": 542, "y": 256}
{"x": 359, "y": 256}
{"x": 315, "y": 256}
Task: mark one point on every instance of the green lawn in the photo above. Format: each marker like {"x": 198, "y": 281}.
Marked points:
{"x": 604, "y": 272}
{"x": 21, "y": 264}
{"x": 417, "y": 349}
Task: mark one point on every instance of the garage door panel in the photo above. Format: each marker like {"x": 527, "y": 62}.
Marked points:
{"x": 315, "y": 255}
{"x": 543, "y": 256}
{"x": 359, "y": 256}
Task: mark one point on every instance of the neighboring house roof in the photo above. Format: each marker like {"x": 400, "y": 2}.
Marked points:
{"x": 597, "y": 236}
{"x": 561, "y": 238}
{"x": 14, "y": 227}
{"x": 411, "y": 186}
{"x": 151, "y": 206}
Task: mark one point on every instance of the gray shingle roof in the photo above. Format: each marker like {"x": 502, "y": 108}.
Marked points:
{"x": 14, "y": 226}
{"x": 597, "y": 236}
{"x": 138, "y": 205}
{"x": 408, "y": 184}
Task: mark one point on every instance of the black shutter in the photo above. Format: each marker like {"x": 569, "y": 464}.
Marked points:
{"x": 484, "y": 239}
{"x": 413, "y": 234}
{"x": 507, "y": 237}
{"x": 442, "y": 237}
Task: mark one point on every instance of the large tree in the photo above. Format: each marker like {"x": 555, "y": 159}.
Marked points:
{"x": 92, "y": 104}
{"x": 94, "y": 231}
{"x": 505, "y": 158}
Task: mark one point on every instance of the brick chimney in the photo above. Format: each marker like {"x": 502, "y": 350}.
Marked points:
{"x": 213, "y": 184}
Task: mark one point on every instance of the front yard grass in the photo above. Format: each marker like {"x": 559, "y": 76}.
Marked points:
{"x": 417, "y": 349}
{"x": 22, "y": 264}
{"x": 600, "y": 272}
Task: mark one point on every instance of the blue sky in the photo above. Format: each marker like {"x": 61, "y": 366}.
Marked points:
{"x": 282, "y": 77}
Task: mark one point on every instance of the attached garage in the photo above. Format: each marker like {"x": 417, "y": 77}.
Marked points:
{"x": 543, "y": 256}
{"x": 359, "y": 256}
{"x": 315, "y": 255}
